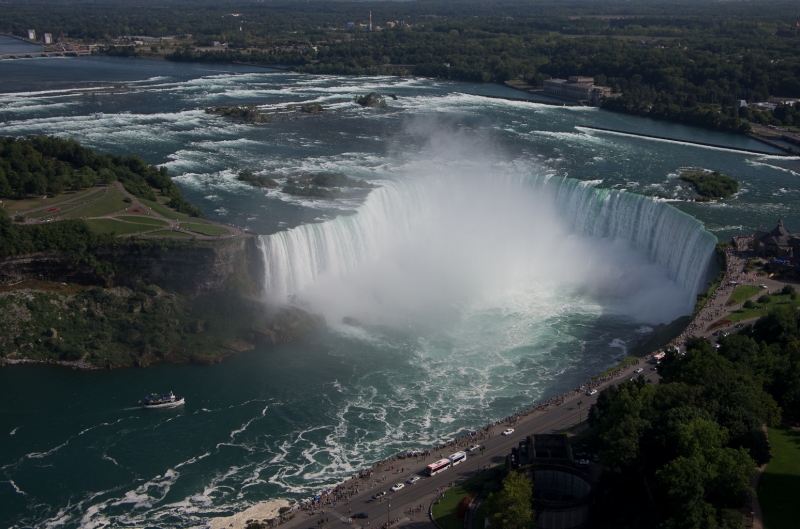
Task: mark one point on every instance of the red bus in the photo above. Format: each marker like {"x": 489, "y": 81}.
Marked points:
{"x": 439, "y": 466}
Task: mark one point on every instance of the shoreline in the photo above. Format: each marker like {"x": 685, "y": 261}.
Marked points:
{"x": 310, "y": 506}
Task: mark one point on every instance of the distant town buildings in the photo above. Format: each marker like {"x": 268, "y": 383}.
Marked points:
{"x": 48, "y": 38}
{"x": 31, "y": 34}
{"x": 576, "y": 88}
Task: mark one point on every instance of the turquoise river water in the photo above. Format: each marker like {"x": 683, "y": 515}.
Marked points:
{"x": 506, "y": 254}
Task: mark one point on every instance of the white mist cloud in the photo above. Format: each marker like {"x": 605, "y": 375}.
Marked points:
{"x": 462, "y": 232}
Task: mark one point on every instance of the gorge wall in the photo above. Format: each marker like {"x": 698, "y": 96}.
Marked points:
{"x": 202, "y": 268}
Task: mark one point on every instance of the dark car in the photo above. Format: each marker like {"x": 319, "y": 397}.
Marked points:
{"x": 360, "y": 515}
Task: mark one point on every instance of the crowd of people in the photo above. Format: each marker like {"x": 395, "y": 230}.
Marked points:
{"x": 718, "y": 304}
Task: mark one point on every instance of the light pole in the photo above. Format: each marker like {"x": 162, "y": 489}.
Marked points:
{"x": 580, "y": 413}
{"x": 387, "y": 512}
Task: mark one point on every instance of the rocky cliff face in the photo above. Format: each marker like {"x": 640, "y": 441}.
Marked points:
{"x": 53, "y": 267}
{"x": 223, "y": 266}
{"x": 227, "y": 265}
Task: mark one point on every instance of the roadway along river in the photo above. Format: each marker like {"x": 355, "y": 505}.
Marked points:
{"x": 556, "y": 419}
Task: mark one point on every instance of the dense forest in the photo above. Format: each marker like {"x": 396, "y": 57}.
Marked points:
{"x": 46, "y": 165}
{"x": 679, "y": 454}
{"x": 681, "y": 61}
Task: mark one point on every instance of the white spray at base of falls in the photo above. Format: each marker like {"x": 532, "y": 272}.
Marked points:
{"x": 418, "y": 243}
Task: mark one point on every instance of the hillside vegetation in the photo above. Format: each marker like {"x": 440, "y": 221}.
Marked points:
{"x": 712, "y": 184}
{"x": 46, "y": 165}
{"x": 680, "y": 454}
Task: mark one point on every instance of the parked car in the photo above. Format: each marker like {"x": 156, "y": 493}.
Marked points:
{"x": 582, "y": 462}
{"x": 412, "y": 480}
{"x": 638, "y": 370}
{"x": 397, "y": 486}
{"x": 508, "y": 431}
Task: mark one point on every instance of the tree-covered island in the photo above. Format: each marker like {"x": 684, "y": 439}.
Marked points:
{"x": 103, "y": 263}
{"x": 711, "y": 184}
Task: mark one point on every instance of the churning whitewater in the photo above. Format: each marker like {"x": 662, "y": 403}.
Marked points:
{"x": 450, "y": 239}
{"x": 497, "y": 263}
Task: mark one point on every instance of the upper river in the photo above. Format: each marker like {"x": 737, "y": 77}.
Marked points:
{"x": 495, "y": 264}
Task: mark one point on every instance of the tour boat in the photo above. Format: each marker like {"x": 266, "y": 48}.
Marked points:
{"x": 167, "y": 400}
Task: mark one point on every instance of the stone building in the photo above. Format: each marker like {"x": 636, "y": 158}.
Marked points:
{"x": 577, "y": 89}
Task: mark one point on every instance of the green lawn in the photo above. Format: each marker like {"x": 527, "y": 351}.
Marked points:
{"x": 444, "y": 512}
{"x": 111, "y": 203}
{"x": 779, "y": 486}
{"x": 115, "y": 226}
{"x": 20, "y": 206}
{"x": 763, "y": 308}
{"x": 742, "y": 293}
{"x": 205, "y": 229}
{"x": 149, "y": 221}
{"x": 163, "y": 210}
{"x": 168, "y": 233}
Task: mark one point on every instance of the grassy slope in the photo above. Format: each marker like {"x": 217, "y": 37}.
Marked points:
{"x": 139, "y": 219}
{"x": 779, "y": 487}
{"x": 111, "y": 203}
{"x": 444, "y": 511}
{"x": 205, "y": 229}
{"x": 117, "y": 227}
{"x": 20, "y": 206}
{"x": 167, "y": 233}
{"x": 763, "y": 308}
{"x": 165, "y": 211}
{"x": 742, "y": 293}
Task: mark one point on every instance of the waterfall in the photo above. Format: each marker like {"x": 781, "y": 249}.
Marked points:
{"x": 395, "y": 212}
{"x": 668, "y": 236}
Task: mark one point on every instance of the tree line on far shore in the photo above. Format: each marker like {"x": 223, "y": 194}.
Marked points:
{"x": 688, "y": 64}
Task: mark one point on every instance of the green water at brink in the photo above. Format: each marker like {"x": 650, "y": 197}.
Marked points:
{"x": 290, "y": 420}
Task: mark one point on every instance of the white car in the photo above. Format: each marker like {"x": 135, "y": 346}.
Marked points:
{"x": 508, "y": 431}
{"x": 397, "y": 486}
{"x": 591, "y": 392}
{"x": 473, "y": 448}
{"x": 412, "y": 480}
{"x": 762, "y": 285}
{"x": 638, "y": 370}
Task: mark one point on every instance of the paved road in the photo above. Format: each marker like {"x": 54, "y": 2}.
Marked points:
{"x": 395, "y": 505}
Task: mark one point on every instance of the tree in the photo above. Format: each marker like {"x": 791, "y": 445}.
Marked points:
{"x": 512, "y": 507}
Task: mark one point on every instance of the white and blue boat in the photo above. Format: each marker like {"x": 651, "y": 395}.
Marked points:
{"x": 156, "y": 401}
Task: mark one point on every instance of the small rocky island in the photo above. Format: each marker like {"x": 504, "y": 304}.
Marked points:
{"x": 710, "y": 185}
{"x": 372, "y": 100}
{"x": 253, "y": 114}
